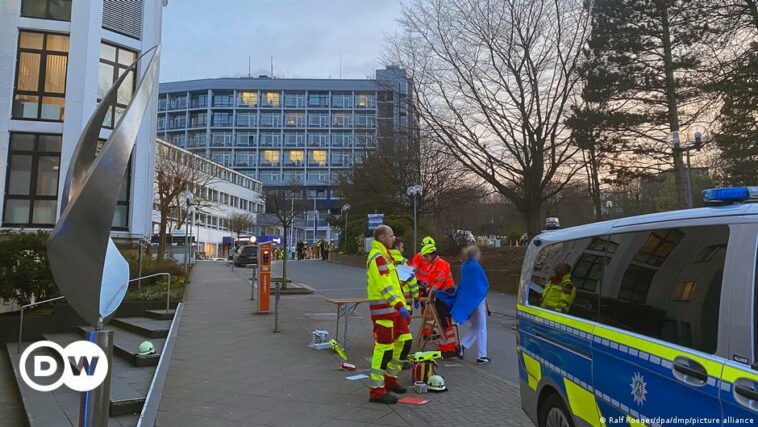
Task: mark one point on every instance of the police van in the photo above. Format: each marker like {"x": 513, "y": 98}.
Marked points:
{"x": 648, "y": 320}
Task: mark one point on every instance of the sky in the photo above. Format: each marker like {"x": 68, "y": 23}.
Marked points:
{"x": 214, "y": 38}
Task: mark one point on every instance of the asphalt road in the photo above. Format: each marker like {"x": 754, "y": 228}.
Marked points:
{"x": 340, "y": 281}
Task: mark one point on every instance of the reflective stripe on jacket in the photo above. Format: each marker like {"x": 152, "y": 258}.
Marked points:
{"x": 383, "y": 286}
{"x": 410, "y": 288}
{"x": 440, "y": 276}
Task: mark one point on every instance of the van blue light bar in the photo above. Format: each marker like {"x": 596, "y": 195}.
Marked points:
{"x": 730, "y": 194}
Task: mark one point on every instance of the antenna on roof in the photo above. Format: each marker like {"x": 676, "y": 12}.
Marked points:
{"x": 340, "y": 64}
{"x": 272, "y": 66}
{"x": 248, "y": 66}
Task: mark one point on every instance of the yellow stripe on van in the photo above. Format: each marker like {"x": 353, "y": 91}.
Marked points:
{"x": 551, "y": 315}
{"x": 533, "y": 370}
{"x": 583, "y": 404}
{"x": 664, "y": 352}
{"x": 732, "y": 374}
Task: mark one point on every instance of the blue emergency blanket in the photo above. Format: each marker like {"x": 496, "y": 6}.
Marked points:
{"x": 470, "y": 292}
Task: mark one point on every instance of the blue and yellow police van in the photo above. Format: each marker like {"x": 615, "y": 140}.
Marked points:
{"x": 647, "y": 320}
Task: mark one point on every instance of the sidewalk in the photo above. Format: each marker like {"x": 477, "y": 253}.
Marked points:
{"x": 229, "y": 369}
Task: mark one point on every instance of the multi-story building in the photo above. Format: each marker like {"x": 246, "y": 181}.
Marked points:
{"x": 286, "y": 132}
{"x": 57, "y": 59}
{"x": 219, "y": 193}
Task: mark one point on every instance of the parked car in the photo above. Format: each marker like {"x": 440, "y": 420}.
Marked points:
{"x": 247, "y": 255}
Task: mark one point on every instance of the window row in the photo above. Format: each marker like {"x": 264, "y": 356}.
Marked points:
{"x": 275, "y": 177}
{"x": 269, "y": 139}
{"x": 266, "y": 99}
{"x": 663, "y": 283}
{"x": 267, "y": 120}
{"x": 286, "y": 158}
{"x": 226, "y": 199}
{"x": 206, "y": 166}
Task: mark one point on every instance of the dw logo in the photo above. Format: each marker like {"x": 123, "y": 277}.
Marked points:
{"x": 82, "y": 366}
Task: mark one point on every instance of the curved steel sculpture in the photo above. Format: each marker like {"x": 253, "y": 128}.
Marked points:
{"x": 87, "y": 267}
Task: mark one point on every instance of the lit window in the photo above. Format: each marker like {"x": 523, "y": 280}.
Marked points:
{"x": 247, "y": 99}
{"x": 272, "y": 99}
{"x": 318, "y": 157}
{"x": 296, "y": 157}
{"x": 271, "y": 157}
{"x": 40, "y": 76}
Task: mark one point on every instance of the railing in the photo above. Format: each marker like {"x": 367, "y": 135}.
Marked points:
{"x": 21, "y": 318}
{"x": 168, "y": 285}
{"x": 24, "y": 307}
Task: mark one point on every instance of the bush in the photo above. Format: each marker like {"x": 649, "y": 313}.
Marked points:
{"x": 154, "y": 288}
{"x": 24, "y": 270}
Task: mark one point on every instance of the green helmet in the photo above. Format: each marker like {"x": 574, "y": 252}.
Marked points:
{"x": 428, "y": 240}
{"x": 428, "y": 249}
{"x": 436, "y": 383}
{"x": 146, "y": 349}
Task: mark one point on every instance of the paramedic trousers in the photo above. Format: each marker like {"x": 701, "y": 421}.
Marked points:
{"x": 477, "y": 331}
{"x": 448, "y": 342}
{"x": 392, "y": 344}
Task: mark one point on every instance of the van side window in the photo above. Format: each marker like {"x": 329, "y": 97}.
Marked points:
{"x": 666, "y": 284}
{"x": 566, "y": 277}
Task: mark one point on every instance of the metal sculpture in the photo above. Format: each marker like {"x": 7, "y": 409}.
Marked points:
{"x": 87, "y": 267}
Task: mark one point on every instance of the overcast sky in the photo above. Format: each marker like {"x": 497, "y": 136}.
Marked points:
{"x": 204, "y": 38}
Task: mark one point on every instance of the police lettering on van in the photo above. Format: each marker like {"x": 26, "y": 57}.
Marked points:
{"x": 643, "y": 319}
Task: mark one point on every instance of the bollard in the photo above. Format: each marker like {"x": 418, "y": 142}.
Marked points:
{"x": 94, "y": 406}
{"x": 277, "y": 288}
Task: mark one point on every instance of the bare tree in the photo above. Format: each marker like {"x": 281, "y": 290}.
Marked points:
{"x": 239, "y": 222}
{"x": 177, "y": 171}
{"x": 493, "y": 80}
{"x": 284, "y": 203}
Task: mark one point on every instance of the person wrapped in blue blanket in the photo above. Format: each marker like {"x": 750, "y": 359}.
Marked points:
{"x": 469, "y": 303}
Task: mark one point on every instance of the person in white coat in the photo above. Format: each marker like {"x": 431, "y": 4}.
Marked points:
{"x": 471, "y": 304}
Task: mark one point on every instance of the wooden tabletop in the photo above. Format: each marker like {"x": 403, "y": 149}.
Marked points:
{"x": 340, "y": 301}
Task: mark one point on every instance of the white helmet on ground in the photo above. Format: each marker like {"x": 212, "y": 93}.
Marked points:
{"x": 436, "y": 383}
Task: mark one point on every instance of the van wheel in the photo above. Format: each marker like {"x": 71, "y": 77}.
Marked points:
{"x": 553, "y": 413}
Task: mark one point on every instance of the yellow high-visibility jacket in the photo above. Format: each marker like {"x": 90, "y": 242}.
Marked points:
{"x": 383, "y": 288}
{"x": 559, "y": 296}
{"x": 410, "y": 288}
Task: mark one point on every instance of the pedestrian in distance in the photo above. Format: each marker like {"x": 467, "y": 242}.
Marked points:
{"x": 471, "y": 303}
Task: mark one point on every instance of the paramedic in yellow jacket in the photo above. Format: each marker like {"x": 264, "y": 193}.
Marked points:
{"x": 410, "y": 287}
{"x": 390, "y": 316}
{"x": 559, "y": 293}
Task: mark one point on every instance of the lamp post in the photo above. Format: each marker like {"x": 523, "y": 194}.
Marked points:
{"x": 696, "y": 143}
{"x": 345, "y": 210}
{"x": 414, "y": 191}
{"x": 186, "y": 197}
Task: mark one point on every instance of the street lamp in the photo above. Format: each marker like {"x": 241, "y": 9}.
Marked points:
{"x": 186, "y": 198}
{"x": 414, "y": 191}
{"x": 696, "y": 142}
{"x": 345, "y": 209}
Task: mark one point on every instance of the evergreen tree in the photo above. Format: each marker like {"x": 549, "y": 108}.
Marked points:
{"x": 737, "y": 138}
{"x": 642, "y": 70}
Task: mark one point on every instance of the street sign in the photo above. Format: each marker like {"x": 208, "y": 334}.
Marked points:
{"x": 375, "y": 220}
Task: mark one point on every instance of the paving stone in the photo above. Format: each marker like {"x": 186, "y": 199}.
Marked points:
{"x": 227, "y": 362}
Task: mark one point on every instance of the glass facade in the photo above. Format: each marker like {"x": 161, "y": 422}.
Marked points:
{"x": 278, "y": 134}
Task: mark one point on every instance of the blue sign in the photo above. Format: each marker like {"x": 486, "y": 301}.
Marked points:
{"x": 375, "y": 220}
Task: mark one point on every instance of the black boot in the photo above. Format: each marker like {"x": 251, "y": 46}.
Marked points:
{"x": 387, "y": 399}
{"x": 399, "y": 389}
